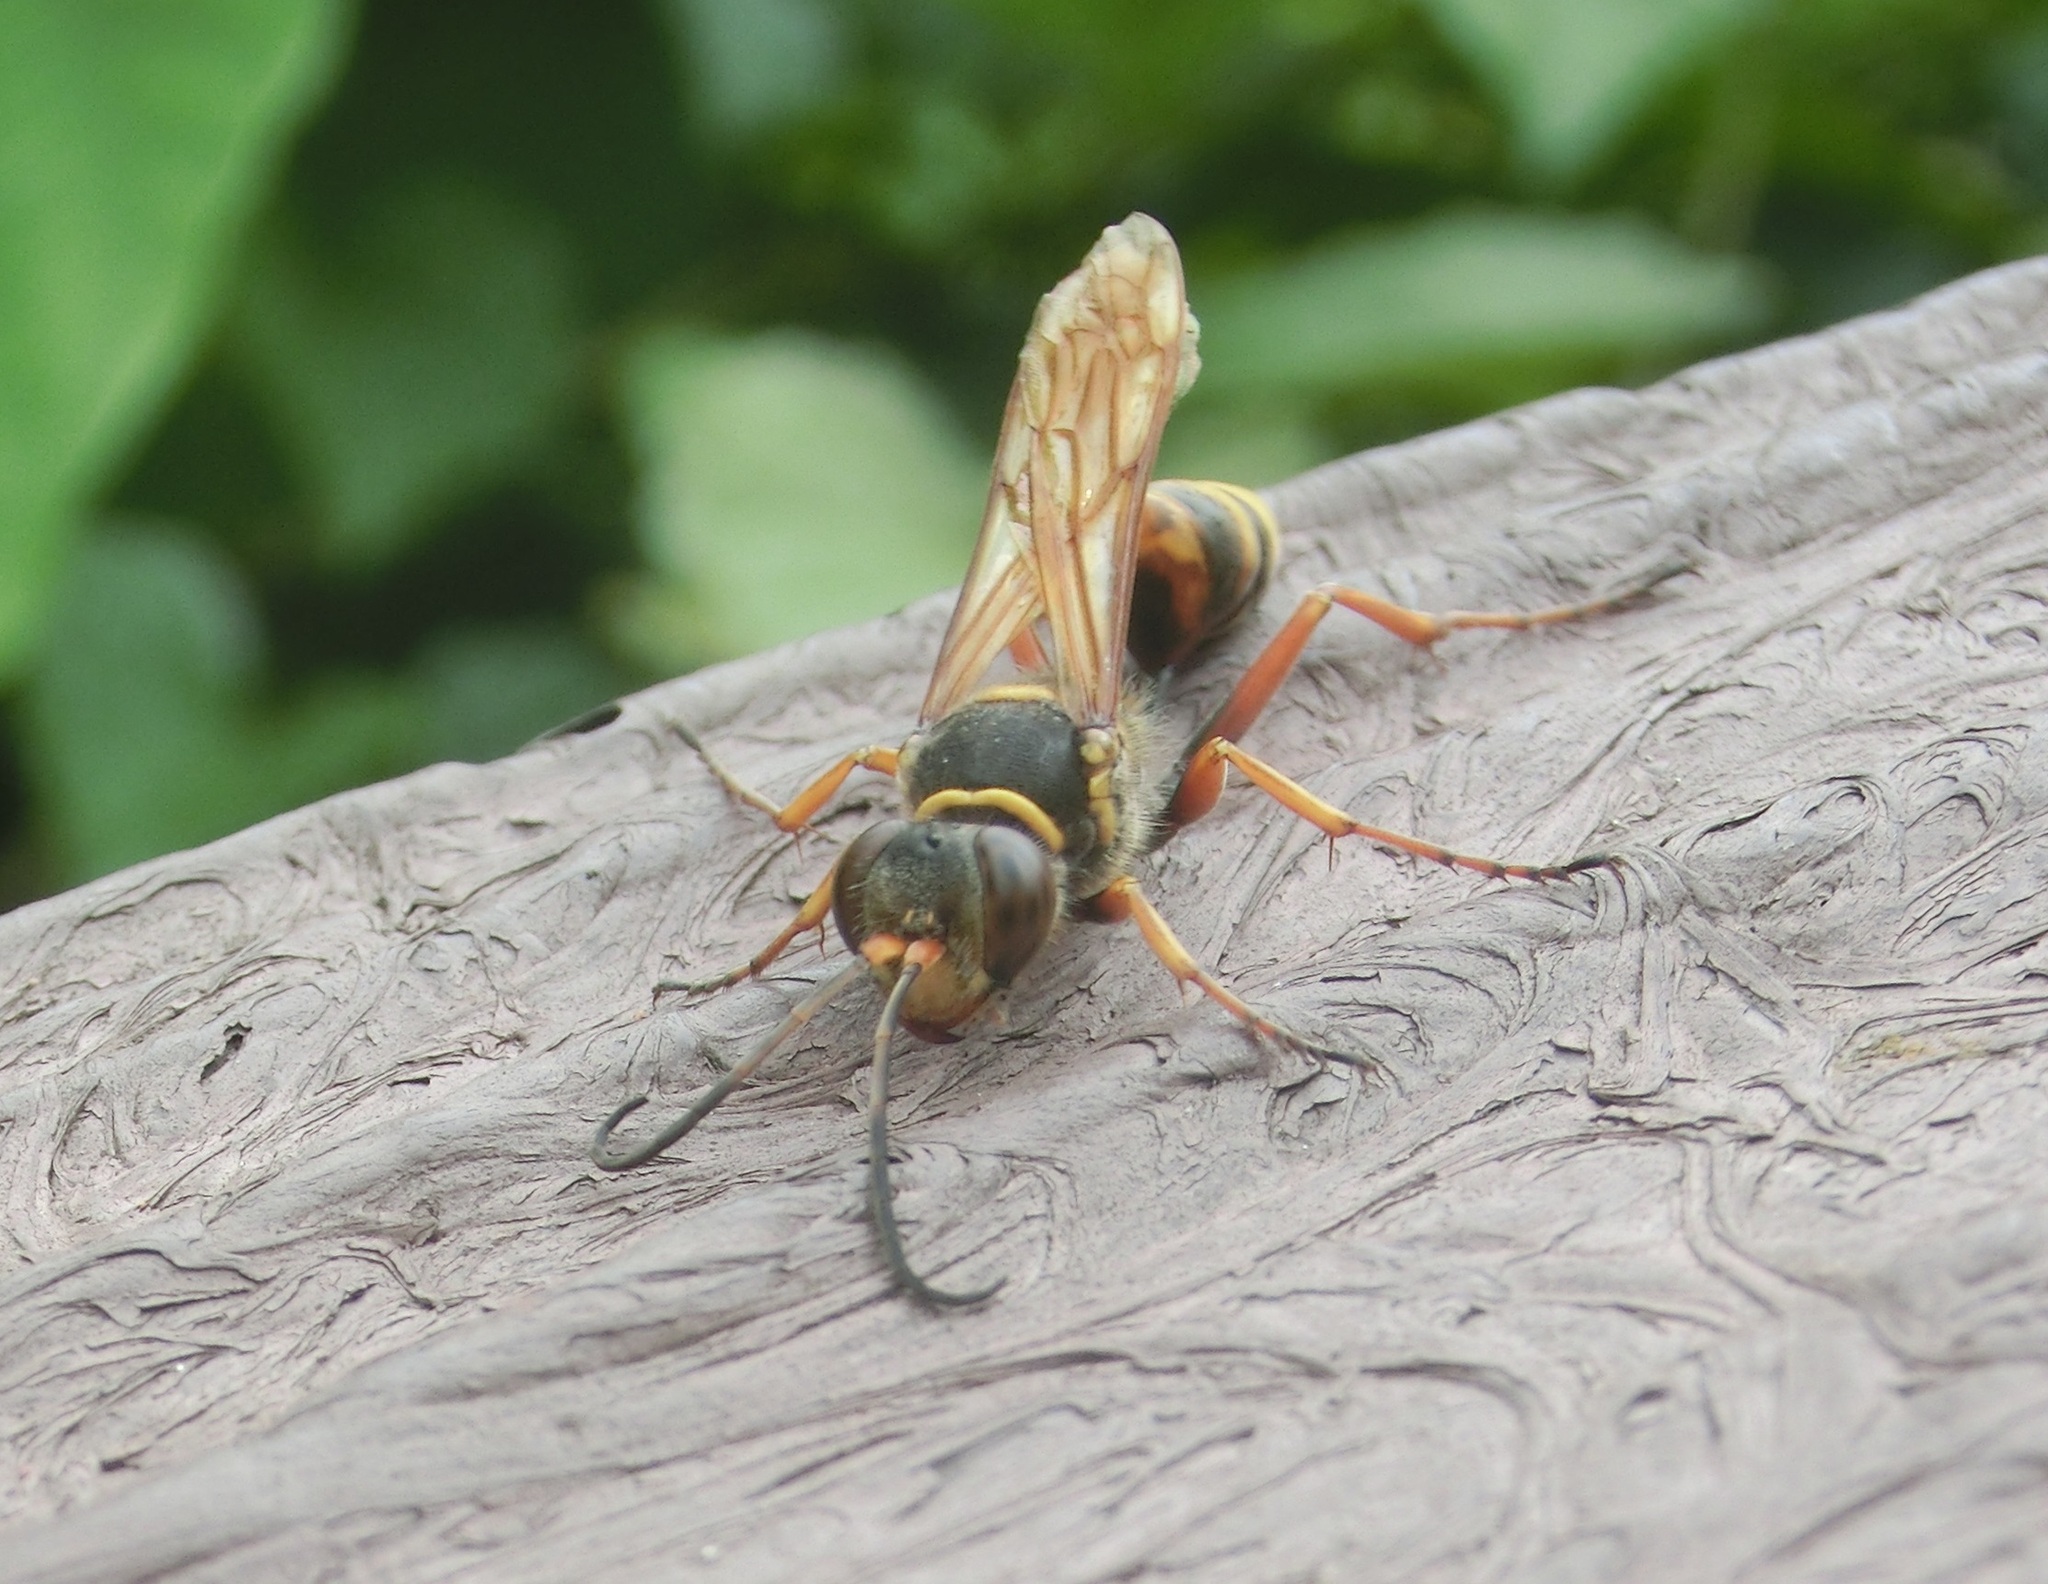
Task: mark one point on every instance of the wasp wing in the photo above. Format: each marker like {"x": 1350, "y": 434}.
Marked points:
{"x": 1110, "y": 348}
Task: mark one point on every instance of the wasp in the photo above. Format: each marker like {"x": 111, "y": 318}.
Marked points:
{"x": 1032, "y": 786}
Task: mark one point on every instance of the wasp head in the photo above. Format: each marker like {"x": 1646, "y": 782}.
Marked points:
{"x": 983, "y": 897}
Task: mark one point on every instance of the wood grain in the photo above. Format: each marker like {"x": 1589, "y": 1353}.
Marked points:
{"x": 1699, "y": 1231}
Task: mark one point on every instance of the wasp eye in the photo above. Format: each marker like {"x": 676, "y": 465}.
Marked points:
{"x": 1019, "y": 899}
{"x": 849, "y": 890}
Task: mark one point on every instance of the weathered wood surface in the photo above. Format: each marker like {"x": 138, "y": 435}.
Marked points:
{"x": 1702, "y": 1233}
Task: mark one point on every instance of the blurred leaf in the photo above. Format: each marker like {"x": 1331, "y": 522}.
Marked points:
{"x": 2020, "y": 80}
{"x": 951, "y": 167}
{"x": 655, "y": 624}
{"x": 1867, "y": 273}
{"x": 488, "y": 690}
{"x": 143, "y": 732}
{"x": 1159, "y": 59}
{"x": 1573, "y": 74}
{"x": 1255, "y": 442}
{"x": 1389, "y": 118}
{"x": 1322, "y": 22}
{"x": 792, "y": 482}
{"x": 1462, "y": 291}
{"x": 753, "y": 64}
{"x": 414, "y": 369}
{"x": 134, "y": 139}
{"x": 929, "y": 168}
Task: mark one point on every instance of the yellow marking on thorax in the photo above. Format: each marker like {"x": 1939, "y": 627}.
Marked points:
{"x": 1016, "y": 693}
{"x": 1003, "y": 801}
{"x": 1098, "y": 754}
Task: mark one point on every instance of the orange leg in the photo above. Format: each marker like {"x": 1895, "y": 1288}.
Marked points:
{"x": 800, "y": 810}
{"x": 1211, "y": 758}
{"x": 811, "y": 916}
{"x": 1199, "y": 788}
{"x": 1121, "y": 900}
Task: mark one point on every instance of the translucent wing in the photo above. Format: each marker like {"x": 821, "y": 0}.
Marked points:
{"x": 1110, "y": 348}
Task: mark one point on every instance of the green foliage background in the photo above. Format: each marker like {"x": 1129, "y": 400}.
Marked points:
{"x": 383, "y": 383}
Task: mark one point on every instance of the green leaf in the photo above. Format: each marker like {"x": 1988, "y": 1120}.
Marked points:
{"x": 792, "y": 482}
{"x": 135, "y": 137}
{"x": 143, "y": 730}
{"x": 1466, "y": 291}
{"x": 1256, "y": 442}
{"x": 488, "y": 690}
{"x": 1161, "y": 59}
{"x": 414, "y": 368}
{"x": 951, "y": 168}
{"x": 1573, "y": 75}
{"x": 753, "y": 64}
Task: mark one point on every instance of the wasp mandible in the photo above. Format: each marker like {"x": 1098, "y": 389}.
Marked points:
{"x": 1028, "y": 801}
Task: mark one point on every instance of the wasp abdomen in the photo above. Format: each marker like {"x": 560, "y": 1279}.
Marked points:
{"x": 1205, "y": 554}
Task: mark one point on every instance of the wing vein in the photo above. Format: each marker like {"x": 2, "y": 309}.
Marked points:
{"x": 1099, "y": 371}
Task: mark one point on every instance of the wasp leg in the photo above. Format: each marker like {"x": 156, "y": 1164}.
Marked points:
{"x": 1207, "y": 766}
{"x": 601, "y": 1153}
{"x": 800, "y": 810}
{"x": 1197, "y": 792}
{"x": 808, "y": 917}
{"x": 1121, "y": 900}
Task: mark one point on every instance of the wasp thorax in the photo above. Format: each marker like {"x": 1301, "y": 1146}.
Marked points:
{"x": 988, "y": 892}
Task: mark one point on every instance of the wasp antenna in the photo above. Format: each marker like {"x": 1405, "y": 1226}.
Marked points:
{"x": 601, "y": 1153}
{"x": 881, "y": 1197}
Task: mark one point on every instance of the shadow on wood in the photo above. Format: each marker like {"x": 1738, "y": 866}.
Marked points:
{"x": 1701, "y": 1230}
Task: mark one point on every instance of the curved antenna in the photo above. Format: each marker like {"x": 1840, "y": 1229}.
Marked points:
{"x": 601, "y": 1153}
{"x": 881, "y": 1198}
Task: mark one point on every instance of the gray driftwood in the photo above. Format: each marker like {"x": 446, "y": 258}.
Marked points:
{"x": 1699, "y": 1231}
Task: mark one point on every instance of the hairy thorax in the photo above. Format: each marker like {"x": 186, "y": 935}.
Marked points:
{"x": 1092, "y": 796}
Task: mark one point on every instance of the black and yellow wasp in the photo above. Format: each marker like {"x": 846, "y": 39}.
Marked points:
{"x": 1028, "y": 799}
